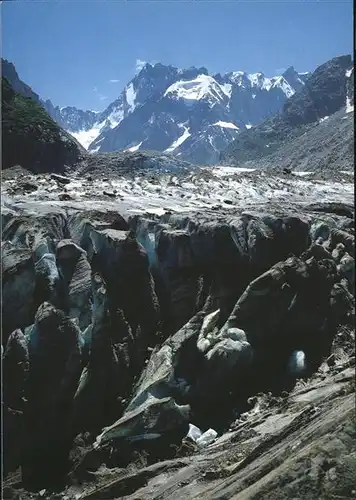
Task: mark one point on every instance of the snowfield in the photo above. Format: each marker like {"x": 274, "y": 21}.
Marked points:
{"x": 203, "y": 86}
{"x": 179, "y": 141}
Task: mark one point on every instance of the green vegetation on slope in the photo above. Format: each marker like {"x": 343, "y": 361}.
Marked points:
{"x": 31, "y": 138}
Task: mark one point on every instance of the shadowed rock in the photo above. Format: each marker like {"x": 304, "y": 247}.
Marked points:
{"x": 18, "y": 286}
{"x": 82, "y": 224}
{"x": 179, "y": 276}
{"x": 292, "y": 300}
{"x": 124, "y": 265}
{"x": 15, "y": 365}
{"x": 55, "y": 366}
{"x": 107, "y": 377}
{"x": 152, "y": 410}
{"x": 260, "y": 308}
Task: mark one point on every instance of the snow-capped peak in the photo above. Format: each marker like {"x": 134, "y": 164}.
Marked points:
{"x": 256, "y": 79}
{"x": 201, "y": 87}
{"x": 237, "y": 77}
{"x": 282, "y": 83}
{"x": 158, "y": 110}
{"x": 289, "y": 82}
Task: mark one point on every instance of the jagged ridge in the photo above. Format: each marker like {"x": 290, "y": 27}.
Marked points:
{"x": 325, "y": 92}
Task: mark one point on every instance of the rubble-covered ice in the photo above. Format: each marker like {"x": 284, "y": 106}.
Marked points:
{"x": 206, "y": 188}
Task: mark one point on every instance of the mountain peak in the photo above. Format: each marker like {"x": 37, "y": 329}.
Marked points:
{"x": 289, "y": 72}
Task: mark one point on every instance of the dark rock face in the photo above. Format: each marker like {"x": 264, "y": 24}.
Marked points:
{"x": 132, "y": 329}
{"x": 55, "y": 367}
{"x": 288, "y": 288}
{"x": 323, "y": 94}
{"x": 15, "y": 363}
{"x": 108, "y": 374}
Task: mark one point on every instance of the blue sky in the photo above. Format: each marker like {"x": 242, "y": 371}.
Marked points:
{"x": 82, "y": 53}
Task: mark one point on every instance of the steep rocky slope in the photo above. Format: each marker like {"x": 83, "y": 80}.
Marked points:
{"x": 136, "y": 306}
{"x": 327, "y": 145}
{"x": 301, "y": 123}
{"x": 30, "y": 138}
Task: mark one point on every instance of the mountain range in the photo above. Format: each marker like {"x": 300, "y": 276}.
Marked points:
{"x": 184, "y": 112}
{"x": 203, "y": 119}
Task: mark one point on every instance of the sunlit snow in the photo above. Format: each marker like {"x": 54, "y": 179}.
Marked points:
{"x": 349, "y": 106}
{"x": 226, "y": 125}
{"x": 237, "y": 77}
{"x": 179, "y": 141}
{"x": 115, "y": 117}
{"x": 135, "y": 148}
{"x": 194, "y": 90}
{"x": 256, "y": 79}
{"x": 86, "y": 137}
{"x": 130, "y": 96}
{"x": 349, "y": 72}
{"x": 227, "y": 89}
{"x": 259, "y": 80}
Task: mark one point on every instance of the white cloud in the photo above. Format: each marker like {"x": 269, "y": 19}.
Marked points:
{"x": 101, "y": 96}
{"x": 279, "y": 71}
{"x": 114, "y": 81}
{"x": 139, "y": 64}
